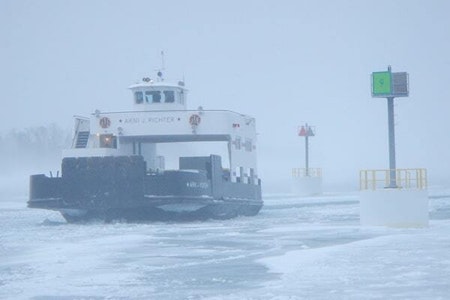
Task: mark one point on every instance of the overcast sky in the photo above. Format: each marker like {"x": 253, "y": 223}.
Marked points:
{"x": 283, "y": 62}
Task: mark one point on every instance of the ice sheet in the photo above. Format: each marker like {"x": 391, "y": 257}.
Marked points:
{"x": 405, "y": 264}
{"x": 296, "y": 248}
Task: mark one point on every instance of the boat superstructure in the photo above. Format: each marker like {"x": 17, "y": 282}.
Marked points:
{"x": 115, "y": 168}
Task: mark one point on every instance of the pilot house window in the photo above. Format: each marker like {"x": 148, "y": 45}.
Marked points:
{"x": 169, "y": 96}
{"x": 157, "y": 96}
{"x": 153, "y": 96}
{"x": 138, "y": 97}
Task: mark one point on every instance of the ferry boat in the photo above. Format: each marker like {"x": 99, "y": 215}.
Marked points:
{"x": 115, "y": 168}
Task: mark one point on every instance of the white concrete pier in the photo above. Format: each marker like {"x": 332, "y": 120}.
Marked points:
{"x": 307, "y": 182}
{"x": 405, "y": 205}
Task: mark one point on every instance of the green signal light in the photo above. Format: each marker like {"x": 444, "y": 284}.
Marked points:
{"x": 381, "y": 83}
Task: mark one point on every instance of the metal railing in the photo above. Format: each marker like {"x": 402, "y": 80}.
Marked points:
{"x": 404, "y": 179}
{"x": 310, "y": 172}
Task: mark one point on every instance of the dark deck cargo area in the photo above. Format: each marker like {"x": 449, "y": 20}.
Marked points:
{"x": 121, "y": 188}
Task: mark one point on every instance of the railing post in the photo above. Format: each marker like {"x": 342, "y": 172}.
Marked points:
{"x": 374, "y": 180}
{"x": 366, "y": 183}
{"x": 418, "y": 179}
{"x": 407, "y": 178}
{"x": 424, "y": 179}
{"x": 361, "y": 181}
{"x": 410, "y": 178}
{"x": 386, "y": 178}
{"x": 366, "y": 179}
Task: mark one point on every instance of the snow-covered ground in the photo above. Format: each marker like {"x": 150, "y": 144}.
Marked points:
{"x": 296, "y": 248}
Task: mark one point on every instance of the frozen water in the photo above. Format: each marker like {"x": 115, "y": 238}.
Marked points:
{"x": 296, "y": 248}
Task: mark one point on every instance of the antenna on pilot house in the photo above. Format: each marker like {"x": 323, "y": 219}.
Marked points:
{"x": 160, "y": 71}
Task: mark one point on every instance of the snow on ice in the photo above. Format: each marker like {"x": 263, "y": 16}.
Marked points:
{"x": 296, "y": 248}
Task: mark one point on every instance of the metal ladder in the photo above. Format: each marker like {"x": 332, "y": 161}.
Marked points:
{"x": 81, "y": 135}
{"x": 82, "y": 139}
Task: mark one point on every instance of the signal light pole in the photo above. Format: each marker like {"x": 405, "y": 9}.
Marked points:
{"x": 391, "y": 128}
{"x": 390, "y": 85}
{"x": 306, "y": 131}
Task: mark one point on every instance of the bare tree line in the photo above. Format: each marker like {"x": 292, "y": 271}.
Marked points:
{"x": 42, "y": 143}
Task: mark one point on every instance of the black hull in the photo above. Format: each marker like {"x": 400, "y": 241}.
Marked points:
{"x": 110, "y": 189}
{"x": 221, "y": 210}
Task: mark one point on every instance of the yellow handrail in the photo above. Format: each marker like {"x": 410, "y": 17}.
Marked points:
{"x": 302, "y": 172}
{"x": 404, "y": 178}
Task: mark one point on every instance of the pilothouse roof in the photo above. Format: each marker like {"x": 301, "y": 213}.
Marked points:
{"x": 154, "y": 84}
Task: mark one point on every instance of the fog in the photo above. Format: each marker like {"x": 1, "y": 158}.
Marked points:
{"x": 284, "y": 63}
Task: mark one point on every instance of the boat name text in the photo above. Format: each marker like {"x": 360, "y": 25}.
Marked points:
{"x": 149, "y": 120}
{"x": 194, "y": 184}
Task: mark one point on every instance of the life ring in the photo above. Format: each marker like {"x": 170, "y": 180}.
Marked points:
{"x": 105, "y": 122}
{"x": 194, "y": 120}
